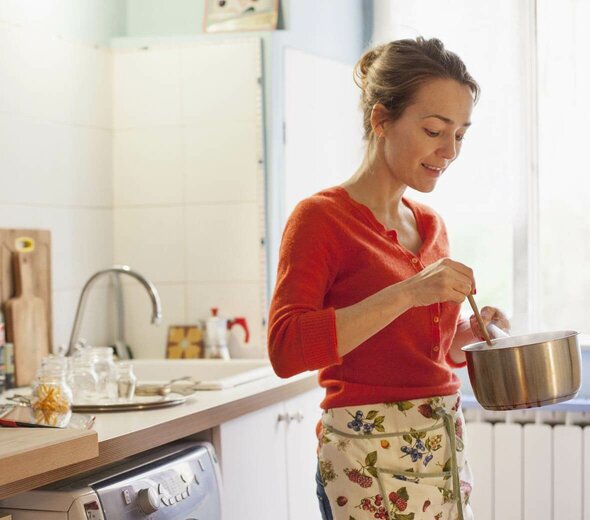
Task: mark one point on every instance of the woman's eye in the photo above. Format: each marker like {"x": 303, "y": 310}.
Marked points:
{"x": 432, "y": 133}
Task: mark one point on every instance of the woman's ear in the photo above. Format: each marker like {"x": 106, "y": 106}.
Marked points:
{"x": 379, "y": 116}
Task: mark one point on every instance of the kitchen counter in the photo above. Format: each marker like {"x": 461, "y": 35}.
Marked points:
{"x": 27, "y": 452}
{"x": 123, "y": 434}
{"x": 30, "y": 458}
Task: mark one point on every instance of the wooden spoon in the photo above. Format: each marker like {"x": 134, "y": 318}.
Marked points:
{"x": 484, "y": 331}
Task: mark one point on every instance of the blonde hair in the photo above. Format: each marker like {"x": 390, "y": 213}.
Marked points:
{"x": 392, "y": 73}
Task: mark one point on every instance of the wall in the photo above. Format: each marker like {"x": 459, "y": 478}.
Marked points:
{"x": 57, "y": 145}
{"x": 189, "y": 186}
{"x": 313, "y": 26}
{"x": 55, "y": 141}
{"x": 164, "y": 17}
{"x": 88, "y": 21}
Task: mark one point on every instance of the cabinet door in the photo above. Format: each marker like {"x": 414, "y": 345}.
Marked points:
{"x": 251, "y": 450}
{"x": 304, "y": 412}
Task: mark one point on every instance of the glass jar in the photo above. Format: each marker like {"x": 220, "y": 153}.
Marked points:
{"x": 83, "y": 379}
{"x": 51, "y": 391}
{"x": 126, "y": 381}
{"x": 106, "y": 372}
{"x": 55, "y": 361}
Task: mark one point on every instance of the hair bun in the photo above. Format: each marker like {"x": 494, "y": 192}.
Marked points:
{"x": 364, "y": 64}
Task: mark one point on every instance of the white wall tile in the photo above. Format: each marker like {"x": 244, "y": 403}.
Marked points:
{"x": 233, "y": 300}
{"x": 53, "y": 163}
{"x": 83, "y": 245}
{"x": 33, "y": 68}
{"x": 92, "y": 173}
{"x": 88, "y": 87}
{"x": 9, "y": 84}
{"x": 80, "y": 172}
{"x": 151, "y": 241}
{"x": 45, "y": 12}
{"x": 47, "y": 77}
{"x": 21, "y": 169}
{"x": 223, "y": 243}
{"x": 96, "y": 325}
{"x": 147, "y": 340}
{"x": 220, "y": 80}
{"x": 146, "y": 88}
{"x": 222, "y": 161}
{"x": 148, "y": 166}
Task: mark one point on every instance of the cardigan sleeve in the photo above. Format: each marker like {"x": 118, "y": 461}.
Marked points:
{"x": 302, "y": 333}
{"x": 449, "y": 360}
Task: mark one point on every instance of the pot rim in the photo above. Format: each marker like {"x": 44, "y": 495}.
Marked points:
{"x": 526, "y": 340}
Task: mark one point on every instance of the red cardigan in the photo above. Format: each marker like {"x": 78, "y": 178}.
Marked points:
{"x": 335, "y": 253}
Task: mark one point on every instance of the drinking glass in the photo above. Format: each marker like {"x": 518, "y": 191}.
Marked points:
{"x": 126, "y": 381}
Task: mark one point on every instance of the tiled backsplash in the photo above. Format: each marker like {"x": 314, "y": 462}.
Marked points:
{"x": 150, "y": 158}
{"x": 189, "y": 202}
{"x": 55, "y": 160}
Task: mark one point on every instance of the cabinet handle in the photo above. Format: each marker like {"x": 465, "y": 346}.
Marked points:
{"x": 297, "y": 416}
{"x": 283, "y": 417}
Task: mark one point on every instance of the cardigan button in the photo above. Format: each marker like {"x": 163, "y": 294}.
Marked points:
{"x": 436, "y": 319}
{"x": 436, "y": 348}
{"x": 414, "y": 260}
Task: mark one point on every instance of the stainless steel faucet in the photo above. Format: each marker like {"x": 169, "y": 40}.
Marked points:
{"x": 118, "y": 269}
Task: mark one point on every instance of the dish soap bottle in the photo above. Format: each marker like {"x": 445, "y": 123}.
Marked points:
{"x": 216, "y": 337}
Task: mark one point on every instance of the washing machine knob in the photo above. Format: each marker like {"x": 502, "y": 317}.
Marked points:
{"x": 147, "y": 500}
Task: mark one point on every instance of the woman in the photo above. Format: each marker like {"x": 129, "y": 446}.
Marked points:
{"x": 367, "y": 294}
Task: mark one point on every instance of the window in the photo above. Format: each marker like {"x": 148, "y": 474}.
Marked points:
{"x": 564, "y": 164}
{"x": 514, "y": 201}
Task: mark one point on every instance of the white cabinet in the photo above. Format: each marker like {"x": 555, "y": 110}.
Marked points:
{"x": 251, "y": 450}
{"x": 268, "y": 461}
{"x": 301, "y": 459}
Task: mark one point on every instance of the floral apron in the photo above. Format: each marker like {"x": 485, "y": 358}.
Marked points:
{"x": 396, "y": 461}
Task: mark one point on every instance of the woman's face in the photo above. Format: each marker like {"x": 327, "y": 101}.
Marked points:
{"x": 426, "y": 139}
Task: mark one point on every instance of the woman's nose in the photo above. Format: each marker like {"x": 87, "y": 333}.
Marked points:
{"x": 449, "y": 150}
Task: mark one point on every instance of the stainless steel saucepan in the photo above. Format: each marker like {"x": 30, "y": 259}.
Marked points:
{"x": 525, "y": 371}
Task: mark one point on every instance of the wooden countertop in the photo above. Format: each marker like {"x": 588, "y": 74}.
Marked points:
{"x": 123, "y": 434}
{"x": 28, "y": 452}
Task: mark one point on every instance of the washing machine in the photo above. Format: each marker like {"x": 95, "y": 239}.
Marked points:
{"x": 176, "y": 482}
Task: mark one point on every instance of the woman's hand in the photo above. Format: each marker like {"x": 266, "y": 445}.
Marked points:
{"x": 443, "y": 281}
{"x": 489, "y": 315}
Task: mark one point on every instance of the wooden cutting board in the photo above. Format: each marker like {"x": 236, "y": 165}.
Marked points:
{"x": 26, "y": 322}
{"x": 36, "y": 243}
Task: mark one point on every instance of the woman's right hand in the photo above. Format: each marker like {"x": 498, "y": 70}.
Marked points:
{"x": 443, "y": 281}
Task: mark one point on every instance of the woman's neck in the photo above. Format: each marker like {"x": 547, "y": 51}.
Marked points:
{"x": 374, "y": 186}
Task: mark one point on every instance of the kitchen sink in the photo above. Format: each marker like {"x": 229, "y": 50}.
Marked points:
{"x": 212, "y": 374}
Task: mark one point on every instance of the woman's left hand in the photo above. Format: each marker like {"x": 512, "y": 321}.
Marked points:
{"x": 489, "y": 315}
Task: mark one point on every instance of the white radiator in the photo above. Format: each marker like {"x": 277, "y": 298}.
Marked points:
{"x": 529, "y": 464}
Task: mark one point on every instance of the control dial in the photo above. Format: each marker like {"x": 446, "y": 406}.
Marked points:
{"x": 147, "y": 499}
